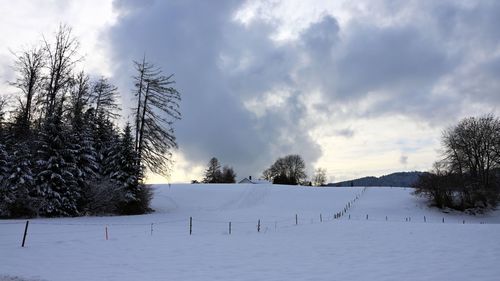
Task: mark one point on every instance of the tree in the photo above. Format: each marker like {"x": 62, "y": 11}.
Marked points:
{"x": 19, "y": 183}
{"x": 29, "y": 67}
{"x": 3, "y": 111}
{"x": 128, "y": 175}
{"x": 468, "y": 176}
{"x": 61, "y": 153}
{"x": 61, "y": 60}
{"x": 5, "y": 191}
{"x": 157, "y": 109}
{"x": 213, "y": 173}
{"x": 79, "y": 101}
{"x": 228, "y": 175}
{"x": 104, "y": 96}
{"x": 287, "y": 170}
{"x": 55, "y": 178}
{"x": 319, "y": 178}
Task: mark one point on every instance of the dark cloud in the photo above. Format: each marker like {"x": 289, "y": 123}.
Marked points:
{"x": 347, "y": 132}
{"x": 431, "y": 63}
{"x": 218, "y": 64}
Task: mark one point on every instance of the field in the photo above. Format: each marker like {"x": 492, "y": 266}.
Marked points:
{"x": 277, "y": 233}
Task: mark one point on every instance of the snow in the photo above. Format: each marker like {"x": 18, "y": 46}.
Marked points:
{"x": 340, "y": 249}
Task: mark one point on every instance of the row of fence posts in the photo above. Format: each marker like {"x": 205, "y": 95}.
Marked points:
{"x": 336, "y": 216}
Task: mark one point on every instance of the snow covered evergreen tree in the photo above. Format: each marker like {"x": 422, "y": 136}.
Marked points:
{"x": 5, "y": 194}
{"x": 56, "y": 167}
{"x": 128, "y": 175}
{"x": 22, "y": 201}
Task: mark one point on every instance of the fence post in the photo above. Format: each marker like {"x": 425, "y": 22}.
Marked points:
{"x": 366, "y": 216}
{"x": 443, "y": 219}
{"x": 320, "y": 218}
{"x": 349, "y": 216}
{"x": 25, "y": 232}
{"x": 229, "y": 227}
{"x": 106, "y": 230}
{"x": 190, "y": 225}
{"x": 258, "y": 226}
{"x": 385, "y": 218}
{"x": 296, "y": 219}
{"x": 425, "y": 219}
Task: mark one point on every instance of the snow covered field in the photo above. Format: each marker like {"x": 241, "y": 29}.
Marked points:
{"x": 158, "y": 246}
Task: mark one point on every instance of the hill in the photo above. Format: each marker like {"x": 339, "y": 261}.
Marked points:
{"x": 396, "y": 179}
{"x": 386, "y": 234}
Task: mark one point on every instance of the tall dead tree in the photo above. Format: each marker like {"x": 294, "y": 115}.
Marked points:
{"x": 157, "y": 109}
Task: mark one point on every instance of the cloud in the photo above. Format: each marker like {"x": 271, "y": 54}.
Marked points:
{"x": 220, "y": 66}
{"x": 403, "y": 159}
{"x": 255, "y": 87}
{"x": 347, "y": 132}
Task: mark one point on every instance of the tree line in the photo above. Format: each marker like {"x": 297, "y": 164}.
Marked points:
{"x": 62, "y": 152}
{"x": 288, "y": 170}
{"x": 468, "y": 175}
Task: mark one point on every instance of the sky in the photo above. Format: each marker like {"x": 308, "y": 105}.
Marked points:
{"x": 359, "y": 88}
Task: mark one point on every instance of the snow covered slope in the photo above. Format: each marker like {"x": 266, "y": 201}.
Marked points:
{"x": 158, "y": 246}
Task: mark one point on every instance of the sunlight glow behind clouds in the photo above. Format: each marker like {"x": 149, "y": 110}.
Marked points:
{"x": 353, "y": 86}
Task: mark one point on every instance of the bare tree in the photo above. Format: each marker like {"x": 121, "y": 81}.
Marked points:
{"x": 228, "y": 175}
{"x": 79, "y": 99}
{"x": 471, "y": 147}
{"x": 469, "y": 175}
{"x": 62, "y": 55}
{"x": 319, "y": 178}
{"x": 287, "y": 170}
{"x": 104, "y": 97}
{"x": 157, "y": 109}
{"x": 29, "y": 67}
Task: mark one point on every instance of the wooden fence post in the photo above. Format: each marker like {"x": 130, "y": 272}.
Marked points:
{"x": 229, "y": 227}
{"x": 296, "y": 219}
{"x": 25, "y": 232}
{"x": 258, "y": 226}
{"x": 320, "y": 218}
{"x": 190, "y": 225}
{"x": 106, "y": 231}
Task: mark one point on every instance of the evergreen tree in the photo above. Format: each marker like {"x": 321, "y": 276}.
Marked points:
{"x": 128, "y": 175}
{"x": 86, "y": 168}
{"x": 213, "y": 173}
{"x": 56, "y": 165}
{"x": 20, "y": 183}
{"x": 5, "y": 192}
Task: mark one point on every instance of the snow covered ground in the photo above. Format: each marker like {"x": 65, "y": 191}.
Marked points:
{"x": 158, "y": 246}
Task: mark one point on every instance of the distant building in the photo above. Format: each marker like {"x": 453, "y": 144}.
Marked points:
{"x": 250, "y": 181}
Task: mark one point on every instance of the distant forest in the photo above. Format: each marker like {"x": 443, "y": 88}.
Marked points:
{"x": 401, "y": 179}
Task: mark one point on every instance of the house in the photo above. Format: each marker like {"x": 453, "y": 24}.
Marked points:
{"x": 250, "y": 181}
